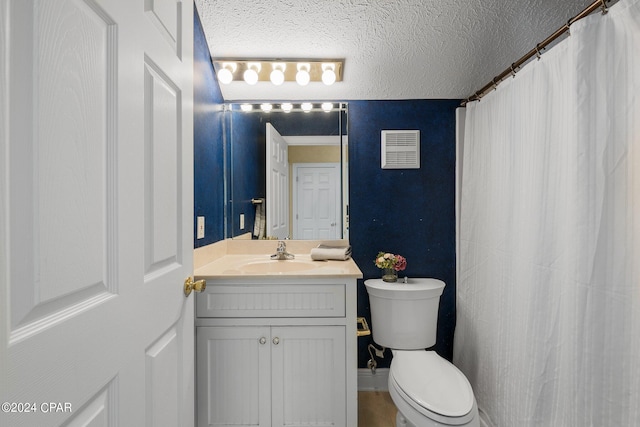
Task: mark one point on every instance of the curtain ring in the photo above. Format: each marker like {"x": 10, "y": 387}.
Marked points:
{"x": 495, "y": 83}
{"x": 513, "y": 71}
{"x": 538, "y": 54}
{"x": 604, "y": 7}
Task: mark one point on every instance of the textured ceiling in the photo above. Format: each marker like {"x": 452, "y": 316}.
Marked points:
{"x": 393, "y": 49}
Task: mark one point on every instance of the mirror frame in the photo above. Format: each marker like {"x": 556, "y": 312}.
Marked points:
{"x": 244, "y": 165}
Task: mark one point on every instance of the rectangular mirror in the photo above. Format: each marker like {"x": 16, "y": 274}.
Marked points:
{"x": 286, "y": 171}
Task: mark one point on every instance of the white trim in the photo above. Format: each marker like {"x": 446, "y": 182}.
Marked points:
{"x": 461, "y": 115}
{"x": 315, "y": 139}
{"x": 368, "y": 381}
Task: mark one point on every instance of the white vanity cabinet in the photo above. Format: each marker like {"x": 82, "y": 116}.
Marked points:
{"x": 277, "y": 352}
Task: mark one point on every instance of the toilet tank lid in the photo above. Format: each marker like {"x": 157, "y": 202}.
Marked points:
{"x": 415, "y": 288}
{"x": 432, "y": 382}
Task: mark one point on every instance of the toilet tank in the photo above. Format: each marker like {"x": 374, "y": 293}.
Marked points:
{"x": 404, "y": 316}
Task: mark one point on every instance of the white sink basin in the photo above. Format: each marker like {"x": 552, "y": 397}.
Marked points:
{"x": 276, "y": 266}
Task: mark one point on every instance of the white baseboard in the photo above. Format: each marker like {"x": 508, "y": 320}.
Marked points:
{"x": 368, "y": 381}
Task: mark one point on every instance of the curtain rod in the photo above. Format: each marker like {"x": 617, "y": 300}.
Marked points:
{"x": 511, "y": 71}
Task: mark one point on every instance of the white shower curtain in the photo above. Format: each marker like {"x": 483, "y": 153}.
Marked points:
{"x": 548, "y": 328}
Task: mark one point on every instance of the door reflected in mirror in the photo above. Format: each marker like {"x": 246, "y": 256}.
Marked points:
{"x": 286, "y": 172}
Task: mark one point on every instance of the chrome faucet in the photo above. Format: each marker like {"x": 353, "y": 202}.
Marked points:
{"x": 281, "y": 252}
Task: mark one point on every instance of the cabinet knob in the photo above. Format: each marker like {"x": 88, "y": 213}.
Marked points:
{"x": 276, "y": 341}
{"x": 263, "y": 340}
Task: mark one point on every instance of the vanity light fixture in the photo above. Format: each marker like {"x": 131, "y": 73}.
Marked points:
{"x": 287, "y": 107}
{"x": 278, "y": 70}
{"x": 251, "y": 73}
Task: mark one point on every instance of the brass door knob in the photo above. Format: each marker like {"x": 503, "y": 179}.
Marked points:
{"x": 190, "y": 285}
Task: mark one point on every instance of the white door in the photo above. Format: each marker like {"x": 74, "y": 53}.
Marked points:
{"x": 316, "y": 213}
{"x": 96, "y": 238}
{"x": 277, "y": 168}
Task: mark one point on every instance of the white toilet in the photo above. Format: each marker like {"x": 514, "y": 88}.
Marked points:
{"x": 428, "y": 390}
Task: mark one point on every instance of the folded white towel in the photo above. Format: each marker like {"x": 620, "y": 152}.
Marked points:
{"x": 325, "y": 252}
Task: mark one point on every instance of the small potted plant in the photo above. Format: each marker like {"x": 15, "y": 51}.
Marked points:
{"x": 390, "y": 264}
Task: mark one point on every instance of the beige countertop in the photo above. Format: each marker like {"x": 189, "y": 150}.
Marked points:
{"x": 251, "y": 258}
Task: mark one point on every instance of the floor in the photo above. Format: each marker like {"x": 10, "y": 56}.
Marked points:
{"x": 375, "y": 409}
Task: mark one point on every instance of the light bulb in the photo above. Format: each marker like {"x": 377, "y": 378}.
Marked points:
{"x": 277, "y": 75}
{"x": 302, "y": 76}
{"x": 287, "y": 107}
{"x": 225, "y": 74}
{"x": 251, "y": 73}
{"x": 246, "y": 107}
{"x": 306, "y": 107}
{"x": 328, "y": 74}
{"x": 266, "y": 107}
{"x": 327, "y": 107}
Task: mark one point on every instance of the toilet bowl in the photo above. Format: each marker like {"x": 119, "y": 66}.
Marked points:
{"x": 428, "y": 390}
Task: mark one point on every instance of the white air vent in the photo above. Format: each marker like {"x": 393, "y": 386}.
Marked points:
{"x": 400, "y": 149}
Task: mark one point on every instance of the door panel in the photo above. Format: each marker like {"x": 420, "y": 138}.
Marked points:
{"x": 68, "y": 149}
{"x": 98, "y": 411}
{"x": 277, "y": 166}
{"x": 163, "y": 170}
{"x": 166, "y": 15}
{"x": 95, "y": 226}
{"x": 161, "y": 380}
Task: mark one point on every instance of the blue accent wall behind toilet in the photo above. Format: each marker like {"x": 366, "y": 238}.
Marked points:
{"x": 406, "y": 211}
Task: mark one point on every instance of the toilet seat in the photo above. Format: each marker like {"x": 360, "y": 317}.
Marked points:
{"x": 432, "y": 386}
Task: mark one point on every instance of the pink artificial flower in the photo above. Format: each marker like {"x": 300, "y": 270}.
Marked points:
{"x": 401, "y": 263}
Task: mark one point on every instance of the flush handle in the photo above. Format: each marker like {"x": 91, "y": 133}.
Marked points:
{"x": 363, "y": 327}
{"x": 190, "y": 285}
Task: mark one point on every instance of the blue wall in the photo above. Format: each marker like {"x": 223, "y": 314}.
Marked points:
{"x": 208, "y": 148}
{"x": 247, "y": 160}
{"x": 409, "y": 212}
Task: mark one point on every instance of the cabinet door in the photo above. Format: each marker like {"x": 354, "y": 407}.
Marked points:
{"x": 234, "y": 376}
{"x": 308, "y": 377}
